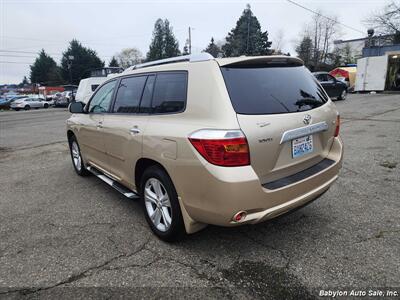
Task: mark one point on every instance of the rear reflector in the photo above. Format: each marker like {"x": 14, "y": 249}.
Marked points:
{"x": 337, "y": 129}
{"x": 226, "y": 148}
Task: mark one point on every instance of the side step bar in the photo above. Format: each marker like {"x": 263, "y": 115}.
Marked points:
{"x": 111, "y": 182}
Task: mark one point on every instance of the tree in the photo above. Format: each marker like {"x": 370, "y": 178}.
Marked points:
{"x": 246, "y": 38}
{"x": 322, "y": 31}
{"x": 113, "y": 62}
{"x": 164, "y": 43}
{"x": 170, "y": 42}
{"x": 45, "y": 71}
{"x": 129, "y": 57}
{"x": 305, "y": 50}
{"x": 213, "y": 49}
{"x": 279, "y": 41}
{"x": 25, "y": 81}
{"x": 84, "y": 60}
{"x": 387, "y": 21}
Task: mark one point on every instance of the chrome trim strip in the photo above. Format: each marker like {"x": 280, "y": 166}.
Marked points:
{"x": 303, "y": 131}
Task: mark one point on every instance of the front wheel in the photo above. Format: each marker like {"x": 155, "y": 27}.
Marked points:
{"x": 161, "y": 205}
{"x": 46, "y": 105}
{"x": 76, "y": 157}
{"x": 343, "y": 95}
{"x": 27, "y": 107}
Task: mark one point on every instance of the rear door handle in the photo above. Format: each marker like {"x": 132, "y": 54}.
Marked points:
{"x": 134, "y": 130}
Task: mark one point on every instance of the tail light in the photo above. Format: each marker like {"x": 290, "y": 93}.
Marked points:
{"x": 337, "y": 126}
{"x": 226, "y": 148}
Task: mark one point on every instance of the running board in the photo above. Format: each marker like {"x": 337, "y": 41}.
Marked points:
{"x": 111, "y": 182}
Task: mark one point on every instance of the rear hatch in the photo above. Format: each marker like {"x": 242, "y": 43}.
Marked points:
{"x": 285, "y": 114}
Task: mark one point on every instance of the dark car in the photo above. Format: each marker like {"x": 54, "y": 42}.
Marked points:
{"x": 5, "y": 102}
{"x": 333, "y": 87}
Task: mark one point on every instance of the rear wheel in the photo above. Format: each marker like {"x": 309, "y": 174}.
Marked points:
{"x": 76, "y": 157}
{"x": 27, "y": 107}
{"x": 161, "y": 205}
{"x": 46, "y": 105}
{"x": 343, "y": 95}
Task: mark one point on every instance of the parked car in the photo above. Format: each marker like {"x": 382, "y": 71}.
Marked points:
{"x": 64, "y": 99}
{"x": 6, "y": 101}
{"x": 334, "y": 88}
{"x": 206, "y": 140}
{"x": 28, "y": 103}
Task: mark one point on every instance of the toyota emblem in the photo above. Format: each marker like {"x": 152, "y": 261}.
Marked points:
{"x": 307, "y": 119}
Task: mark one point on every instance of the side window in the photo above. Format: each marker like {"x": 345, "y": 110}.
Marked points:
{"x": 322, "y": 77}
{"x": 330, "y": 78}
{"x": 129, "y": 94}
{"x": 102, "y": 99}
{"x": 169, "y": 93}
{"x": 145, "y": 105}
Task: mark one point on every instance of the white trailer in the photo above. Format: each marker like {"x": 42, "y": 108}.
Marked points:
{"x": 371, "y": 73}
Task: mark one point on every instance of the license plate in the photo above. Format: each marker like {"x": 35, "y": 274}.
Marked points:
{"x": 302, "y": 146}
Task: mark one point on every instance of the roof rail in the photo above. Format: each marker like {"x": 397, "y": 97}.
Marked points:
{"x": 204, "y": 56}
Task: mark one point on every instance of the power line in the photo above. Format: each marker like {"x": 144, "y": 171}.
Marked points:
{"x": 28, "y": 52}
{"x": 15, "y": 62}
{"x": 319, "y": 14}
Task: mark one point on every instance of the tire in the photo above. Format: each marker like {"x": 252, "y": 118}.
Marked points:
{"x": 76, "y": 157}
{"x": 343, "y": 95}
{"x": 27, "y": 107}
{"x": 16, "y": 109}
{"x": 46, "y": 105}
{"x": 163, "y": 216}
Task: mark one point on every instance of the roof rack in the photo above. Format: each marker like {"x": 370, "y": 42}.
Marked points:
{"x": 204, "y": 56}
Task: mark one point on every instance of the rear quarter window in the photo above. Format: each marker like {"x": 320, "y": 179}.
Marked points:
{"x": 170, "y": 92}
{"x": 272, "y": 90}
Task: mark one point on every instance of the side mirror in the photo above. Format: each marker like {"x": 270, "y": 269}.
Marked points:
{"x": 76, "y": 108}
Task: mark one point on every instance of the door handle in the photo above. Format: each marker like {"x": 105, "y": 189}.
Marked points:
{"x": 134, "y": 130}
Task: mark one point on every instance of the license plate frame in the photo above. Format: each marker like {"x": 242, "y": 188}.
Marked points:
{"x": 302, "y": 146}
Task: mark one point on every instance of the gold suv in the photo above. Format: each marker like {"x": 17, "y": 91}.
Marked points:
{"x": 224, "y": 141}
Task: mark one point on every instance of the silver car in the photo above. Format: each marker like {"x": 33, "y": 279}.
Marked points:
{"x": 28, "y": 103}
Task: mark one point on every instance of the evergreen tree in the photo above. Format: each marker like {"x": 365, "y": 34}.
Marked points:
{"x": 85, "y": 60}
{"x": 247, "y": 38}
{"x": 305, "y": 51}
{"x": 25, "y": 81}
{"x": 213, "y": 49}
{"x": 113, "y": 62}
{"x": 164, "y": 43}
{"x": 170, "y": 42}
{"x": 45, "y": 71}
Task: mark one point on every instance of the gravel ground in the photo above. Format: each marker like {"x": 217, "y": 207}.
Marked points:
{"x": 65, "y": 236}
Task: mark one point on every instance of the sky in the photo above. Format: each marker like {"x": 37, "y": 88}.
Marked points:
{"x": 27, "y": 26}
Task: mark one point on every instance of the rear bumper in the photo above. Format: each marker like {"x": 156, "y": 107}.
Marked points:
{"x": 219, "y": 193}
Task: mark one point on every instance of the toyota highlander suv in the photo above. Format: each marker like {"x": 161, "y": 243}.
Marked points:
{"x": 226, "y": 141}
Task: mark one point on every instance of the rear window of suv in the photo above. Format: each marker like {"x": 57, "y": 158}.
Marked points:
{"x": 272, "y": 89}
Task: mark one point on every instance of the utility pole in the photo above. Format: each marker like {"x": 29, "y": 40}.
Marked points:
{"x": 190, "y": 40}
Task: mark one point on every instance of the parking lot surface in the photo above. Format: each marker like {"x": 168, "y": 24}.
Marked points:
{"x": 63, "y": 234}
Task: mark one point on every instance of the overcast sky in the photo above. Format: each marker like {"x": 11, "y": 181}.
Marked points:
{"x": 109, "y": 26}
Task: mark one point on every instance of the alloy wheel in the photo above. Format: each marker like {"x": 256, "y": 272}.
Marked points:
{"x": 76, "y": 156}
{"x": 158, "y": 205}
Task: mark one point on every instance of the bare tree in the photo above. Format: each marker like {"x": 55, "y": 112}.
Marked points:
{"x": 323, "y": 30}
{"x": 129, "y": 57}
{"x": 279, "y": 40}
{"x": 387, "y": 20}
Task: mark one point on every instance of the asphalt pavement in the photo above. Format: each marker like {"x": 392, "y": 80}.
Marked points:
{"x": 65, "y": 236}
